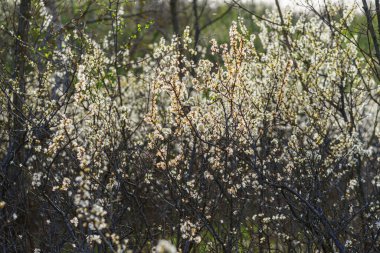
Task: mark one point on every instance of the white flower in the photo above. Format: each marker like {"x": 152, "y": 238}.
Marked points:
{"x": 377, "y": 224}
{"x": 74, "y": 221}
{"x": 197, "y": 239}
{"x": 94, "y": 238}
{"x": 165, "y": 246}
{"x": 348, "y": 243}
{"x": 36, "y": 181}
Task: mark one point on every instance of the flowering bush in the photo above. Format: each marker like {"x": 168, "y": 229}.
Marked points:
{"x": 219, "y": 149}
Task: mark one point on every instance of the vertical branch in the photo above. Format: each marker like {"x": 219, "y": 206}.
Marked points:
{"x": 20, "y": 60}
{"x": 285, "y": 33}
{"x": 371, "y": 28}
{"x": 174, "y": 17}
{"x": 197, "y": 29}
{"x": 60, "y": 82}
{"x": 115, "y": 28}
{"x": 377, "y": 4}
